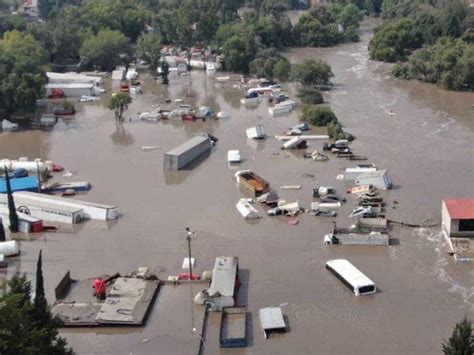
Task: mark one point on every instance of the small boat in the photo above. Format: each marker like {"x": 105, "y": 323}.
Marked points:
{"x": 246, "y": 209}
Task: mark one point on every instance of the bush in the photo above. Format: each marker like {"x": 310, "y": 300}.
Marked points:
{"x": 282, "y": 70}
{"x": 336, "y": 132}
{"x": 318, "y": 115}
{"x": 323, "y": 116}
{"x": 310, "y": 96}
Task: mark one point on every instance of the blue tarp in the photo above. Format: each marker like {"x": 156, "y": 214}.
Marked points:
{"x": 20, "y": 184}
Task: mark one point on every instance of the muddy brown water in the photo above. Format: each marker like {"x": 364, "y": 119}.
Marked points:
{"x": 427, "y": 145}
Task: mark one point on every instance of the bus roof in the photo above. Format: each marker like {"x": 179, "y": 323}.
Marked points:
{"x": 349, "y": 272}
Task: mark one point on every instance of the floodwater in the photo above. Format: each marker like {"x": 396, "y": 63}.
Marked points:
{"x": 427, "y": 144}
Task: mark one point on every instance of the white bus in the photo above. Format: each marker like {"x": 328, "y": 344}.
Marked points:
{"x": 350, "y": 276}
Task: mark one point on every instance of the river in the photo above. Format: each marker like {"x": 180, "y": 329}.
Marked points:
{"x": 427, "y": 144}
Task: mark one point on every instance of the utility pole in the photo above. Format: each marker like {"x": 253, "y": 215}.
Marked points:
{"x": 188, "y": 237}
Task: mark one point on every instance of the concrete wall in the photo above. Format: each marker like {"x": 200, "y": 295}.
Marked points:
{"x": 445, "y": 219}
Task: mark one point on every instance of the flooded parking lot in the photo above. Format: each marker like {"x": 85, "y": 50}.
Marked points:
{"x": 427, "y": 145}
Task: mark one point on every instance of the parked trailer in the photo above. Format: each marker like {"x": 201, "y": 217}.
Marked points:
{"x": 352, "y": 277}
{"x": 184, "y": 154}
{"x": 26, "y": 223}
{"x": 45, "y": 210}
{"x": 354, "y": 237}
{"x": 91, "y": 210}
{"x": 233, "y": 327}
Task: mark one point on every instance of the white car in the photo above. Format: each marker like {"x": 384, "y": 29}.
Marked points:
{"x": 362, "y": 211}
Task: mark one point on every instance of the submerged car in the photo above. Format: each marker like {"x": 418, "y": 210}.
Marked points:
{"x": 323, "y": 213}
{"x": 332, "y": 198}
{"x": 362, "y": 211}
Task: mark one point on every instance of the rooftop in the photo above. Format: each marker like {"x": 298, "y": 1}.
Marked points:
{"x": 223, "y": 276}
{"x": 188, "y": 145}
{"x": 460, "y": 208}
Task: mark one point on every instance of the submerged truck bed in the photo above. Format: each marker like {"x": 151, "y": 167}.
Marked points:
{"x": 233, "y": 327}
{"x": 253, "y": 183}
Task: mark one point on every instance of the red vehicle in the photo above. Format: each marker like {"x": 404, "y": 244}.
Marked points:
{"x": 124, "y": 87}
{"x": 185, "y": 276}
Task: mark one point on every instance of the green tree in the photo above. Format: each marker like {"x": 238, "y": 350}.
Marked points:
{"x": 119, "y": 102}
{"x": 2, "y": 231}
{"x": 312, "y": 72}
{"x": 149, "y": 49}
{"x": 106, "y": 49}
{"x": 21, "y": 332}
{"x": 395, "y": 40}
{"x": 348, "y": 15}
{"x": 12, "y": 215}
{"x": 263, "y": 65}
{"x": 310, "y": 96}
{"x": 239, "y": 51}
{"x": 461, "y": 341}
{"x": 448, "y": 63}
{"x": 45, "y": 7}
{"x": 39, "y": 290}
{"x": 22, "y": 73}
{"x": 282, "y": 70}
{"x": 318, "y": 115}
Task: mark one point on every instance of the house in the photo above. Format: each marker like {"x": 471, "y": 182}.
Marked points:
{"x": 458, "y": 226}
{"x": 29, "y": 8}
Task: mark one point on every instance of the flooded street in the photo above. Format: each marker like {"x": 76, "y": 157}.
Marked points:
{"x": 427, "y": 144}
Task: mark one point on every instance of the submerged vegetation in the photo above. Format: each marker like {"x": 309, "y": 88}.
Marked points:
{"x": 432, "y": 41}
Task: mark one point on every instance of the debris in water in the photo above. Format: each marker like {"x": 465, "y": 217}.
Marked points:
{"x": 290, "y": 187}
{"x": 292, "y": 222}
{"x": 146, "y": 340}
{"x": 150, "y": 147}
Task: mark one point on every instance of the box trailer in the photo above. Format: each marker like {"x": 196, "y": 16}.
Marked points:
{"x": 45, "y": 210}
{"x": 186, "y": 153}
{"x": 91, "y": 210}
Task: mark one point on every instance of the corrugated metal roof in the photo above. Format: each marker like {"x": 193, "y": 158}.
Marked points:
{"x": 223, "y": 276}
{"x": 271, "y": 318}
{"x": 20, "y": 184}
{"x": 188, "y": 145}
{"x": 460, "y": 208}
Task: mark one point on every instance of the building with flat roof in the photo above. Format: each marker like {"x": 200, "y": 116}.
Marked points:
{"x": 458, "y": 226}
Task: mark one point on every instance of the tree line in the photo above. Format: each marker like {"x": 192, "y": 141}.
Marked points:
{"x": 431, "y": 40}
